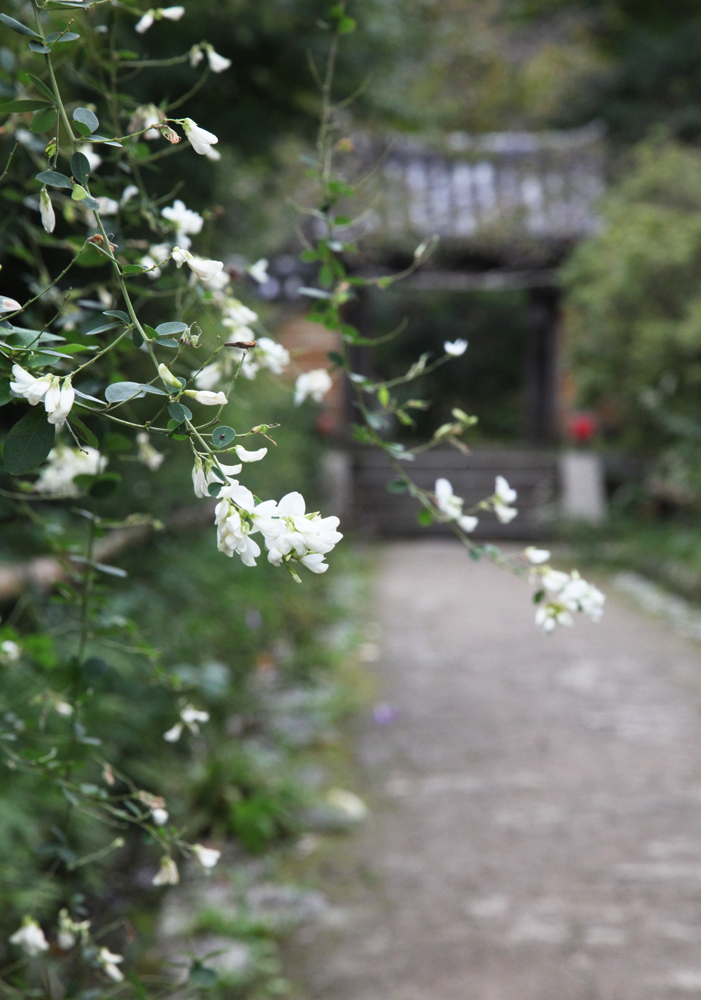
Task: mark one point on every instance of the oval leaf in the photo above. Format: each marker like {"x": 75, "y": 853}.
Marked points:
{"x": 171, "y": 329}
{"x": 133, "y": 269}
{"x": 39, "y": 47}
{"x": 80, "y": 167}
{"x": 43, "y": 120}
{"x": 17, "y": 26}
{"x": 179, "y": 412}
{"x": 118, "y": 392}
{"x": 55, "y": 179}
{"x": 223, "y": 436}
{"x": 29, "y": 442}
{"x": 87, "y": 117}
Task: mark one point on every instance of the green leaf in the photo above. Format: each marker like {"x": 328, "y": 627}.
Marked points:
{"x": 43, "y": 120}
{"x": 118, "y": 314}
{"x": 82, "y": 431}
{"x": 54, "y": 179}
{"x": 425, "y": 517}
{"x": 136, "y": 338}
{"x": 80, "y": 167}
{"x": 397, "y": 486}
{"x": 336, "y": 358}
{"x": 5, "y": 394}
{"x": 171, "y": 329}
{"x": 17, "y": 107}
{"x": 119, "y": 392}
{"x": 42, "y": 88}
{"x": 62, "y": 36}
{"x": 104, "y": 486}
{"x": 223, "y": 436}
{"x": 133, "y": 269}
{"x": 17, "y": 26}
{"x": 29, "y": 442}
{"x": 82, "y": 130}
{"x": 39, "y": 48}
{"x": 166, "y": 342}
{"x": 87, "y": 117}
{"x": 347, "y": 25}
{"x": 79, "y": 193}
{"x": 202, "y": 976}
{"x": 91, "y": 203}
{"x": 213, "y": 489}
{"x": 179, "y": 412}
{"x": 383, "y": 395}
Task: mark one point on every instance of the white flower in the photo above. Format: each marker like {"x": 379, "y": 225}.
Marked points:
{"x": 505, "y": 514}
{"x": 503, "y": 491}
{"x": 259, "y": 271}
{"x": 129, "y": 192}
{"x": 536, "y": 556}
{"x": 30, "y": 937}
{"x": 11, "y": 652}
{"x": 171, "y": 13}
{"x": 8, "y": 305}
{"x": 199, "y": 138}
{"x": 446, "y": 500}
{"x": 468, "y": 523}
{"x": 94, "y": 159}
{"x": 159, "y": 816}
{"x": 108, "y": 206}
{"x": 67, "y": 930}
{"x": 187, "y": 223}
{"x": 210, "y": 376}
{"x": 146, "y": 117}
{"x": 549, "y": 616}
{"x": 109, "y": 962}
{"x": 168, "y": 377}
{"x": 207, "y": 856}
{"x": 206, "y": 397}
{"x": 554, "y": 580}
{"x": 455, "y": 348}
{"x": 144, "y": 23}
{"x": 190, "y": 717}
{"x": 204, "y": 269}
{"x": 218, "y": 283}
{"x": 236, "y": 315}
{"x": 315, "y": 383}
{"x": 271, "y": 355}
{"x": 217, "y": 63}
{"x": 148, "y": 455}
{"x": 202, "y": 478}
{"x": 167, "y": 874}
{"x": 26, "y": 385}
{"x": 48, "y": 217}
{"x": 58, "y": 395}
{"x": 250, "y": 456}
{"x": 212, "y": 154}
{"x": 347, "y": 803}
{"x": 63, "y": 464}
{"x": 451, "y": 506}
{"x": 153, "y": 271}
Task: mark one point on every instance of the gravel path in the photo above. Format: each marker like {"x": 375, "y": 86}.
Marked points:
{"x": 536, "y": 809}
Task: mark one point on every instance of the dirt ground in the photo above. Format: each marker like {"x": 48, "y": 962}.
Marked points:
{"x": 535, "y": 831}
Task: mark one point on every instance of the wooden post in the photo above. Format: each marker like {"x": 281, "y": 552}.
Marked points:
{"x": 541, "y": 366}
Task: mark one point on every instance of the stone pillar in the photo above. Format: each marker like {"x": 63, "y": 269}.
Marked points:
{"x": 583, "y": 490}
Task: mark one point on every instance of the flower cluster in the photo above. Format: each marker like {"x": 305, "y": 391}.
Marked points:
{"x": 290, "y": 534}
{"x": 503, "y": 497}
{"x": 314, "y": 384}
{"x": 190, "y": 717}
{"x": 451, "y": 506}
{"x": 58, "y": 394}
{"x": 561, "y": 594}
{"x": 63, "y": 464}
